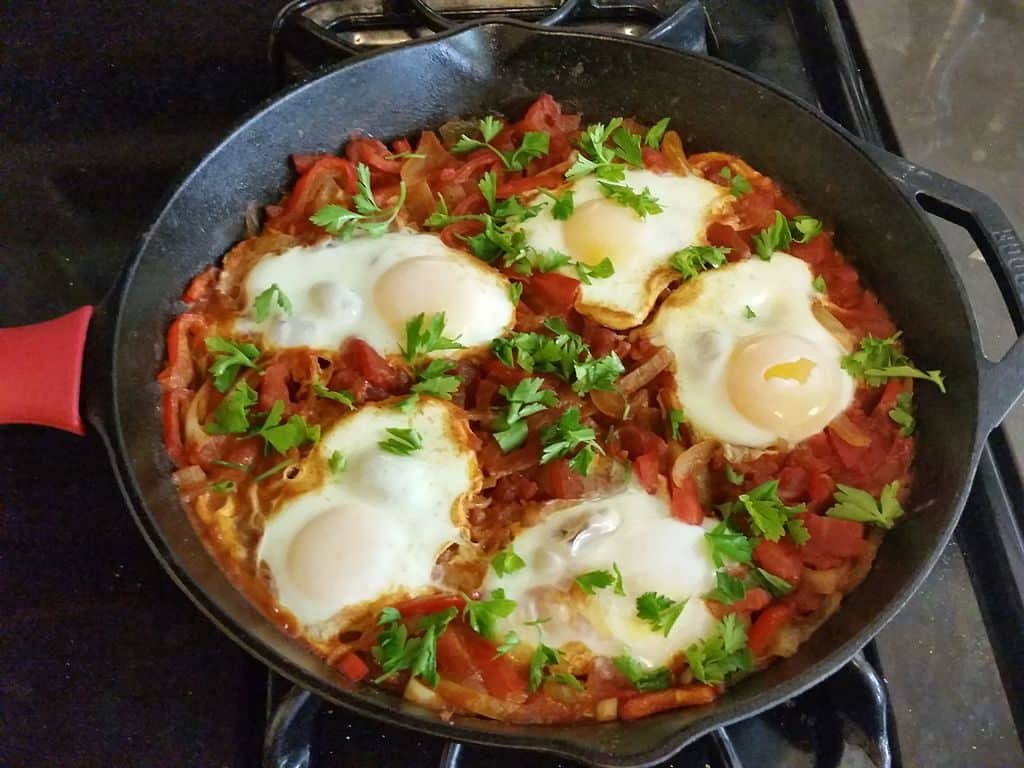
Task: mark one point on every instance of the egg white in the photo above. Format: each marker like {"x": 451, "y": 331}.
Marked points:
{"x": 639, "y": 248}
{"x": 704, "y": 319}
{"x": 369, "y": 287}
{"x": 377, "y": 528}
{"x": 653, "y": 551}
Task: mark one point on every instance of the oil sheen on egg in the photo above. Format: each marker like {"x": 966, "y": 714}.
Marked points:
{"x": 753, "y": 364}
{"x": 375, "y": 529}
{"x": 370, "y": 288}
{"x": 653, "y": 551}
{"x": 639, "y": 248}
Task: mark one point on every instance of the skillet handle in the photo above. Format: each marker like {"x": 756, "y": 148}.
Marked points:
{"x": 41, "y": 372}
{"x": 1001, "y": 382}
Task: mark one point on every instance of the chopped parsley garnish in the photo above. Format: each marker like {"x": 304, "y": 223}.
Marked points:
{"x": 715, "y": 658}
{"x": 342, "y": 396}
{"x": 525, "y": 400}
{"x": 423, "y": 336}
{"x": 533, "y": 145}
{"x": 402, "y": 441}
{"x": 656, "y": 133}
{"x": 797, "y": 531}
{"x": 231, "y": 465}
{"x": 482, "y": 615}
{"x": 598, "y": 374}
{"x": 563, "y": 206}
{"x": 595, "y": 156}
{"x": 642, "y": 677}
{"x": 507, "y": 561}
{"x": 881, "y": 359}
{"x": 264, "y": 303}
{"x": 903, "y": 413}
{"x": 776, "y": 586}
{"x": 587, "y": 273}
{"x": 396, "y": 651}
{"x": 643, "y": 203}
{"x": 855, "y": 504}
{"x": 676, "y": 417}
{"x": 231, "y": 416}
{"x": 543, "y": 656}
{"x": 738, "y": 184}
{"x": 698, "y": 258}
{"x": 728, "y": 588}
{"x": 223, "y": 486}
{"x": 768, "y": 515}
{"x": 726, "y": 543}
{"x": 291, "y": 434}
{"x": 775, "y": 237}
{"x": 748, "y": 313}
{"x": 228, "y": 358}
{"x": 368, "y": 217}
{"x": 659, "y": 611}
{"x": 804, "y": 228}
{"x": 566, "y": 436}
{"x": 405, "y": 156}
{"x": 591, "y": 581}
{"x": 819, "y": 284}
{"x": 515, "y": 291}
{"x": 337, "y": 462}
{"x": 272, "y": 471}
{"x": 510, "y": 641}
{"x": 434, "y": 379}
{"x": 734, "y": 477}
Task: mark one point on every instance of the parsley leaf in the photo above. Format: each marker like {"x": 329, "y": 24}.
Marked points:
{"x": 342, "y": 396}
{"x": 265, "y": 302}
{"x": 564, "y": 436}
{"x": 507, "y": 561}
{"x": 601, "y": 270}
{"x": 659, "y": 611}
{"x": 598, "y": 374}
{"x": 722, "y": 654}
{"x": 627, "y": 146}
{"x": 676, "y": 417}
{"x": 512, "y": 436}
{"x": 775, "y": 237}
{"x": 819, "y": 284}
{"x": 395, "y": 651}
{"x": 405, "y": 156}
{"x": 272, "y": 471}
{"x": 564, "y": 205}
{"x": 488, "y": 186}
{"x": 231, "y": 416}
{"x": 591, "y": 581}
{"x": 880, "y": 359}
{"x": 402, "y": 441}
{"x": 656, "y": 132}
{"x": 734, "y": 477}
{"x": 433, "y": 379}
{"x": 482, "y": 615}
{"x": 855, "y": 504}
{"x": 903, "y": 413}
{"x": 727, "y": 543}
{"x": 510, "y": 641}
{"x": 368, "y": 217}
{"x": 543, "y": 656}
{"x": 776, "y": 586}
{"x": 525, "y": 400}
{"x": 228, "y": 358}
{"x": 643, "y": 203}
{"x": 619, "y": 588}
{"x": 533, "y": 145}
{"x": 642, "y": 677}
{"x": 728, "y": 588}
{"x": 748, "y": 313}
{"x": 223, "y": 486}
{"x": 515, "y": 291}
{"x": 337, "y": 462}
{"x": 797, "y": 531}
{"x": 291, "y": 434}
{"x": 768, "y": 515}
{"x": 738, "y": 184}
{"x": 423, "y": 336}
{"x": 804, "y": 228}
{"x": 698, "y": 258}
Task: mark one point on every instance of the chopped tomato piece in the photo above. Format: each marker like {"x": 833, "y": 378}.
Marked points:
{"x": 673, "y": 698}
{"x": 559, "y": 481}
{"x": 754, "y": 600}
{"x": 645, "y": 467}
{"x": 174, "y": 405}
{"x": 831, "y": 538}
{"x": 815, "y": 251}
{"x": 502, "y": 677}
{"x": 756, "y": 209}
{"x": 725, "y": 236}
{"x": 820, "y": 489}
{"x": 636, "y": 441}
{"x": 792, "y": 484}
{"x": 779, "y": 558}
{"x": 686, "y": 502}
{"x": 767, "y": 626}
{"x": 454, "y": 662}
{"x": 422, "y": 606}
{"x": 374, "y": 368}
{"x": 551, "y": 293}
{"x": 274, "y": 387}
{"x": 202, "y": 285}
{"x": 353, "y": 667}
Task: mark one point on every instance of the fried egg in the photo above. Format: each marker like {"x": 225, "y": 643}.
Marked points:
{"x": 653, "y": 551}
{"x": 753, "y": 364}
{"x": 376, "y": 528}
{"x": 370, "y": 287}
{"x": 639, "y": 248}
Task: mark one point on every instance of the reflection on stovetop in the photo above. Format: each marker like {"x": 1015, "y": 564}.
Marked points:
{"x": 106, "y": 663}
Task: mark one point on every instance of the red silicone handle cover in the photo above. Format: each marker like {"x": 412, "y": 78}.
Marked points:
{"x": 41, "y": 372}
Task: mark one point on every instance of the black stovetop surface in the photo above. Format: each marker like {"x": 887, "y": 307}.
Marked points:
{"x": 106, "y": 663}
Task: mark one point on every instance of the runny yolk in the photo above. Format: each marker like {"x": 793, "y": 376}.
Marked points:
{"x": 798, "y": 370}
{"x": 601, "y": 229}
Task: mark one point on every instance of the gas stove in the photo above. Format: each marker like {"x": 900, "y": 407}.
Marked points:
{"x": 106, "y": 661}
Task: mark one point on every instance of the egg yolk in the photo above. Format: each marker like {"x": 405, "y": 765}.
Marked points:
{"x": 783, "y": 383}
{"x": 602, "y": 229}
{"x": 430, "y": 286}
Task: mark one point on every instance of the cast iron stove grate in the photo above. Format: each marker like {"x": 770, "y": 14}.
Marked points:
{"x": 811, "y": 49}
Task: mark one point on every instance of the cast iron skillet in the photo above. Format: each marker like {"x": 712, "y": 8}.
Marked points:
{"x": 875, "y": 201}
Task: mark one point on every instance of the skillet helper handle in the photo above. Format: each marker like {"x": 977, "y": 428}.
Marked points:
{"x": 41, "y": 372}
{"x": 1001, "y": 382}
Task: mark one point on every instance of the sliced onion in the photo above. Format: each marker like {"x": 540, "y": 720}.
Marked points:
{"x": 823, "y": 582}
{"x": 694, "y": 462}
{"x": 672, "y": 149}
{"x": 418, "y": 693}
{"x": 461, "y": 697}
{"x": 832, "y": 324}
{"x": 849, "y": 432}
{"x": 189, "y": 477}
{"x": 609, "y": 403}
{"x": 646, "y": 372}
{"x": 607, "y": 709}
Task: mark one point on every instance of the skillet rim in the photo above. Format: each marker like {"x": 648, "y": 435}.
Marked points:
{"x": 535, "y": 738}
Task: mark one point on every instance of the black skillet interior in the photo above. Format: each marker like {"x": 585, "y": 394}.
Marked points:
{"x": 501, "y": 67}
